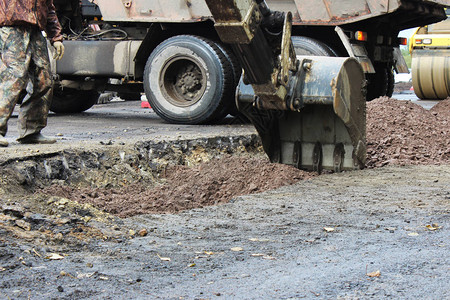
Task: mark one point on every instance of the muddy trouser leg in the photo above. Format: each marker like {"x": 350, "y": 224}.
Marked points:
{"x": 35, "y": 106}
{"x": 14, "y": 61}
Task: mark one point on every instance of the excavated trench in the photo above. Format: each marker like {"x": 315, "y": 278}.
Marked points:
{"x": 168, "y": 177}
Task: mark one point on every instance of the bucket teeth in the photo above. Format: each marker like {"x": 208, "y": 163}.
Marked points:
{"x": 315, "y": 139}
{"x": 317, "y": 158}
{"x": 338, "y": 157}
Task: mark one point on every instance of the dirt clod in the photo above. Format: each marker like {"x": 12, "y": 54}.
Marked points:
{"x": 143, "y": 232}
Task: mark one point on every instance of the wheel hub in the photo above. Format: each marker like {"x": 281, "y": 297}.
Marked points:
{"x": 183, "y": 81}
{"x": 189, "y": 83}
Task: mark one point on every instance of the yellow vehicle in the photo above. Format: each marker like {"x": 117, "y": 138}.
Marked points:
{"x": 430, "y": 67}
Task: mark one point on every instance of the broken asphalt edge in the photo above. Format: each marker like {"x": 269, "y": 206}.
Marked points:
{"x": 67, "y": 160}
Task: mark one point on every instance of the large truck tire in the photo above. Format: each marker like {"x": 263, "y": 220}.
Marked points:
{"x": 381, "y": 83}
{"x": 236, "y": 68}
{"x": 187, "y": 80}
{"x": 308, "y": 46}
{"x": 391, "y": 82}
{"x": 73, "y": 101}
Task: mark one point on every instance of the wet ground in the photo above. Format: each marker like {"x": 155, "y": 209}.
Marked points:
{"x": 374, "y": 233}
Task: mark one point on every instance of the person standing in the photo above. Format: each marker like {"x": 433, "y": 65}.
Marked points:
{"x": 25, "y": 66}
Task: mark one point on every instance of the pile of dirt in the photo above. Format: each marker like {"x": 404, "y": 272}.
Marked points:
{"x": 404, "y": 133}
{"x": 442, "y": 110}
{"x": 211, "y": 183}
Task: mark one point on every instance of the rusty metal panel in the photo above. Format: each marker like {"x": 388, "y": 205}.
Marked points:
{"x": 153, "y": 10}
{"x": 230, "y": 10}
{"x": 381, "y": 6}
{"x": 313, "y": 10}
{"x": 338, "y": 12}
{"x": 307, "y": 12}
{"x": 334, "y": 12}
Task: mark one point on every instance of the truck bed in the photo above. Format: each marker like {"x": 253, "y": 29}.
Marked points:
{"x": 405, "y": 13}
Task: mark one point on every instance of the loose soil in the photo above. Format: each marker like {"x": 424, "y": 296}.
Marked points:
{"x": 209, "y": 183}
{"x": 403, "y": 133}
{"x": 442, "y": 110}
{"x": 398, "y": 133}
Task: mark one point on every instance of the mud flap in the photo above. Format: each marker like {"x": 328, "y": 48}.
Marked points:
{"x": 326, "y": 128}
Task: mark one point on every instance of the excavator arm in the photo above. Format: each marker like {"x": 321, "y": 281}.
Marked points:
{"x": 308, "y": 110}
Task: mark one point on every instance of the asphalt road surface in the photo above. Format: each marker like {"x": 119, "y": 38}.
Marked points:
{"x": 127, "y": 120}
{"x": 121, "y": 122}
{"x": 410, "y": 96}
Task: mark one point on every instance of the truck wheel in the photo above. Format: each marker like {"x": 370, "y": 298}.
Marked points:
{"x": 308, "y": 46}
{"x": 391, "y": 83}
{"x": 73, "y": 101}
{"x": 187, "y": 80}
{"x": 381, "y": 83}
{"x": 236, "y": 68}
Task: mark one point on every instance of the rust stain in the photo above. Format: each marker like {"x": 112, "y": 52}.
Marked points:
{"x": 327, "y": 6}
{"x": 333, "y": 20}
{"x": 189, "y": 8}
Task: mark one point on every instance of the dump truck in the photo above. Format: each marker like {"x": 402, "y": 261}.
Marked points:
{"x": 300, "y": 71}
{"x": 430, "y": 65}
{"x": 125, "y": 40}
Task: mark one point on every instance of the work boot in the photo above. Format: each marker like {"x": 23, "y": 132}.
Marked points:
{"x": 3, "y": 141}
{"x": 36, "y": 138}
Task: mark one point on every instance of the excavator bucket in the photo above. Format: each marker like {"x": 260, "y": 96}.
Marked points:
{"x": 329, "y": 130}
{"x": 309, "y": 111}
